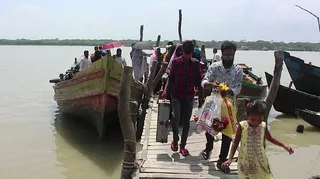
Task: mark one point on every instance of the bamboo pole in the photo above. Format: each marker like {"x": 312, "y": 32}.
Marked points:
{"x": 146, "y": 100}
{"x": 279, "y": 58}
{"x": 311, "y": 14}
{"x": 141, "y": 33}
{"x": 126, "y": 124}
{"x": 179, "y": 25}
{"x": 158, "y": 41}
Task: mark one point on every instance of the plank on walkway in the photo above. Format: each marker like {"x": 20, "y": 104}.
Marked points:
{"x": 161, "y": 162}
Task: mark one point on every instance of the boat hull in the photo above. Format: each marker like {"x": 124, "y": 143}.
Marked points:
{"x": 252, "y": 85}
{"x": 310, "y": 117}
{"x": 305, "y": 77}
{"x": 288, "y": 100}
{"x": 252, "y": 91}
{"x": 93, "y": 94}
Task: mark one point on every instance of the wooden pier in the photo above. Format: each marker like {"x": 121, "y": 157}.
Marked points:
{"x": 158, "y": 161}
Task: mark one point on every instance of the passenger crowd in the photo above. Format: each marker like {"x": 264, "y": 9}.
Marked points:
{"x": 190, "y": 72}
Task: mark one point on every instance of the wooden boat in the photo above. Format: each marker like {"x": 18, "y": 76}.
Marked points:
{"x": 289, "y": 100}
{"x": 92, "y": 94}
{"x": 311, "y": 117}
{"x": 305, "y": 77}
{"x": 252, "y": 85}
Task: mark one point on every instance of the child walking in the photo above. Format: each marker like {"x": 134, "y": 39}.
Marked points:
{"x": 252, "y": 161}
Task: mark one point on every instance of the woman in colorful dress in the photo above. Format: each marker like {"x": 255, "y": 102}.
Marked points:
{"x": 252, "y": 161}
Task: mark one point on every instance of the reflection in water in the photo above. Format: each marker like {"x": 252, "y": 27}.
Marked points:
{"x": 82, "y": 154}
{"x": 284, "y": 128}
{"x": 305, "y": 162}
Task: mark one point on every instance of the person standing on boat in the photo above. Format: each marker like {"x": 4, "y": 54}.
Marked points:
{"x": 223, "y": 72}
{"x": 96, "y": 55}
{"x": 196, "y": 52}
{"x": 85, "y": 62}
{"x": 216, "y": 56}
{"x": 184, "y": 77}
{"x": 138, "y": 64}
{"x": 169, "y": 51}
{"x": 118, "y": 58}
{"x": 132, "y": 49}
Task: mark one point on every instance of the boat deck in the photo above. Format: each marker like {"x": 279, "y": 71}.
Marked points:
{"x": 160, "y": 162}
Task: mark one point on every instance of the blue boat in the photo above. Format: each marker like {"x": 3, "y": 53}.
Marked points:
{"x": 305, "y": 77}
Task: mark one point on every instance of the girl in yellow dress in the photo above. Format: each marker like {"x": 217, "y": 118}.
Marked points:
{"x": 252, "y": 161}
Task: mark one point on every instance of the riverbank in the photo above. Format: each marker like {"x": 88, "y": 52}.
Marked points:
{"x": 251, "y": 45}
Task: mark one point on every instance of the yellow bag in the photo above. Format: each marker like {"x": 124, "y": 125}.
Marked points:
{"x": 229, "y": 111}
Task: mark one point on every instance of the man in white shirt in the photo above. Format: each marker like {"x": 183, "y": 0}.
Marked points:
{"x": 216, "y": 56}
{"x": 223, "y": 71}
{"x": 85, "y": 62}
{"x": 118, "y": 58}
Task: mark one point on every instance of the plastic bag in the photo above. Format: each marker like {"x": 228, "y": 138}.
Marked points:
{"x": 210, "y": 112}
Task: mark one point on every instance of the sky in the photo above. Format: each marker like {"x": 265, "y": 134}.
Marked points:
{"x": 271, "y": 20}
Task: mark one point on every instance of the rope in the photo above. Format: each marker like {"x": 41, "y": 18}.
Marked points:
{"x": 129, "y": 140}
{"x": 127, "y": 151}
{"x": 128, "y": 168}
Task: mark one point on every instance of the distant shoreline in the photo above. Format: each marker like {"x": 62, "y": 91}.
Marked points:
{"x": 242, "y": 45}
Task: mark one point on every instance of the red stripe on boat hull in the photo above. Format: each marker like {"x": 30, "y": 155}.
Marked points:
{"x": 100, "y": 102}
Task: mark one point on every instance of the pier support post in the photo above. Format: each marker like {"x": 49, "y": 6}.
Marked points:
{"x": 141, "y": 33}
{"x": 241, "y": 110}
{"x": 134, "y": 110}
{"x": 146, "y": 100}
{"x": 279, "y": 58}
{"x": 180, "y": 25}
{"x": 158, "y": 41}
{"x": 126, "y": 124}
{"x": 161, "y": 72}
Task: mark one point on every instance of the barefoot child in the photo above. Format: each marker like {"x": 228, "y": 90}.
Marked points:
{"x": 253, "y": 162}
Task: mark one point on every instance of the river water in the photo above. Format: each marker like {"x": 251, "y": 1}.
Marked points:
{"x": 37, "y": 143}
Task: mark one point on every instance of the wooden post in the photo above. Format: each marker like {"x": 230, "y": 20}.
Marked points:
{"x": 162, "y": 70}
{"x": 158, "y": 41}
{"x": 241, "y": 110}
{"x": 179, "y": 25}
{"x": 146, "y": 100}
{"x": 141, "y": 33}
{"x": 126, "y": 124}
{"x": 279, "y": 58}
{"x": 134, "y": 113}
{"x": 311, "y": 14}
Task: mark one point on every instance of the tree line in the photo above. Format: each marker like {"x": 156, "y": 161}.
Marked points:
{"x": 243, "y": 44}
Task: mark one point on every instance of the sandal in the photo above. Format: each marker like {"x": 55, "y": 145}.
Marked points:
{"x": 205, "y": 155}
{"x": 224, "y": 169}
{"x": 184, "y": 152}
{"x": 174, "y": 146}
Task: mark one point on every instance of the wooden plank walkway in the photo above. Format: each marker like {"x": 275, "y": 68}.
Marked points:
{"x": 160, "y": 162}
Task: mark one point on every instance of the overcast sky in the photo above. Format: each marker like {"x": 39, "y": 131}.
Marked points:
{"x": 277, "y": 20}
